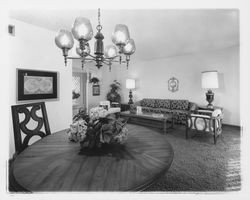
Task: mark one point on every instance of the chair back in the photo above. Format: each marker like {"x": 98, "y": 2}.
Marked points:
{"x": 22, "y": 134}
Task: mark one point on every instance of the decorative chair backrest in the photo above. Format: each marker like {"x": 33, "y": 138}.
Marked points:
{"x": 216, "y": 113}
{"x": 22, "y": 134}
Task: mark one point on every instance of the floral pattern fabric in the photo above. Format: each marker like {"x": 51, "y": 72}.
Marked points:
{"x": 179, "y": 104}
{"x": 162, "y": 103}
{"x": 179, "y": 108}
{"x": 148, "y": 103}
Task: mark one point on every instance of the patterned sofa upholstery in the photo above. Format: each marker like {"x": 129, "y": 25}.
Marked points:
{"x": 180, "y": 108}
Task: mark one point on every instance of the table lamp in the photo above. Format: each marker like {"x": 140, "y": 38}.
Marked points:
{"x": 209, "y": 80}
{"x": 130, "y": 84}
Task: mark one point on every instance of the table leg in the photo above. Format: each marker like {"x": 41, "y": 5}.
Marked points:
{"x": 172, "y": 124}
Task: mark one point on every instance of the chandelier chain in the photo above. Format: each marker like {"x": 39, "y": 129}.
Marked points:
{"x": 99, "y": 16}
{"x": 99, "y": 26}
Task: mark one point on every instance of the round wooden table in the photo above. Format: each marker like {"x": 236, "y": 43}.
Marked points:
{"x": 54, "y": 164}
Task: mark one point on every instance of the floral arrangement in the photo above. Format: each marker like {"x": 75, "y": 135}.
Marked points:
{"x": 98, "y": 128}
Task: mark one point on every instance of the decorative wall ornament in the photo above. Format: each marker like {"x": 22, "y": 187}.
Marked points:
{"x": 173, "y": 84}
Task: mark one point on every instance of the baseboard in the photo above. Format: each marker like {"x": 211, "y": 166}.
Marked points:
{"x": 232, "y": 126}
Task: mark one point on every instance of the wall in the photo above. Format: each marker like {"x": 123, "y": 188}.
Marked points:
{"x": 105, "y": 76}
{"x": 152, "y": 79}
{"x": 34, "y": 48}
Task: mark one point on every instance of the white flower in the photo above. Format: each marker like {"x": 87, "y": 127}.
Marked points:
{"x": 97, "y": 112}
{"x": 77, "y": 131}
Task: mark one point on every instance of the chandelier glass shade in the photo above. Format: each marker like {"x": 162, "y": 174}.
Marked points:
{"x": 82, "y": 32}
{"x": 82, "y": 29}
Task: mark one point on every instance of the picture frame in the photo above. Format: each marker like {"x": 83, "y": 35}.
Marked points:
{"x": 96, "y": 90}
{"x": 36, "y": 84}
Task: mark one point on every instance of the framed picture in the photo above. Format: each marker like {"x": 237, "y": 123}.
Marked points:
{"x": 96, "y": 90}
{"x": 36, "y": 85}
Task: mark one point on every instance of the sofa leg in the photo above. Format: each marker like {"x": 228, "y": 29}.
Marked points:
{"x": 187, "y": 127}
{"x": 186, "y": 134}
{"x": 215, "y": 135}
{"x": 215, "y": 138}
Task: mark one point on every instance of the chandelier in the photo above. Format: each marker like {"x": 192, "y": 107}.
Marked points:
{"x": 82, "y": 31}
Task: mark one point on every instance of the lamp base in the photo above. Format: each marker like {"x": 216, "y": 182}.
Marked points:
{"x": 210, "y": 98}
{"x": 130, "y": 97}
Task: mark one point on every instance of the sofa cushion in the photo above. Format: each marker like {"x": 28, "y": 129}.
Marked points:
{"x": 165, "y": 110}
{"x": 180, "y": 112}
{"x": 162, "y": 103}
{"x": 192, "y": 107}
{"x": 146, "y": 109}
{"x": 148, "y": 103}
{"x": 179, "y": 104}
{"x": 155, "y": 110}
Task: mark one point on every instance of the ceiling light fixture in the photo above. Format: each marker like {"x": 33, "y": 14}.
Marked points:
{"x": 82, "y": 31}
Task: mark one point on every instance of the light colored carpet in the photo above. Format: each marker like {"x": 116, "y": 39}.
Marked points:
{"x": 199, "y": 165}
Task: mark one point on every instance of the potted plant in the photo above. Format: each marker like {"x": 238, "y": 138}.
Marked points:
{"x": 113, "y": 95}
{"x": 94, "y": 80}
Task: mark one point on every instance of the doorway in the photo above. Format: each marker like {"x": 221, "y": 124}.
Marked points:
{"x": 79, "y": 83}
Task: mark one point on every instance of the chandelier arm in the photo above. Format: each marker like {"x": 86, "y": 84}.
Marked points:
{"x": 74, "y": 58}
{"x": 105, "y": 63}
{"x": 113, "y": 59}
{"x": 71, "y": 57}
{"x": 117, "y": 61}
{"x": 91, "y": 56}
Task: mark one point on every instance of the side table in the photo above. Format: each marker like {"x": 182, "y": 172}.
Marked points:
{"x": 212, "y": 109}
{"x": 124, "y": 107}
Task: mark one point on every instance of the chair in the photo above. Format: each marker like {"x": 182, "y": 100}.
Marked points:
{"x": 205, "y": 121}
{"x": 20, "y": 127}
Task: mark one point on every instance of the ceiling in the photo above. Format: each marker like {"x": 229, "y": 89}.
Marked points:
{"x": 157, "y": 33}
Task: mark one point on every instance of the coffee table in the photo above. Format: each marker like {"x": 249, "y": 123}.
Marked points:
{"x": 150, "y": 119}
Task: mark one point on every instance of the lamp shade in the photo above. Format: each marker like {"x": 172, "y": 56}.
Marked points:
{"x": 130, "y": 83}
{"x": 110, "y": 51}
{"x": 129, "y": 48}
{"x": 120, "y": 35}
{"x": 82, "y": 29}
{"x": 209, "y": 79}
{"x": 64, "y": 39}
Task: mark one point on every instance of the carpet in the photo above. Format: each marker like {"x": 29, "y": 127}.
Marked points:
{"x": 199, "y": 165}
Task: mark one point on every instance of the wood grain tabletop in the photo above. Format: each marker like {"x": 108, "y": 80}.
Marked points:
{"x": 54, "y": 164}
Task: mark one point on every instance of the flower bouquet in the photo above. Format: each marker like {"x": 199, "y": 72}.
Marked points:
{"x": 98, "y": 129}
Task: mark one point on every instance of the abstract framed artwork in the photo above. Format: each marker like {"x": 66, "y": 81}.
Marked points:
{"x": 36, "y": 85}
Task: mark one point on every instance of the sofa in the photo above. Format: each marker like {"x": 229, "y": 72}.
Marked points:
{"x": 180, "y": 108}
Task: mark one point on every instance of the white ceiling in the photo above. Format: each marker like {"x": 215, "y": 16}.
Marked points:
{"x": 157, "y": 33}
